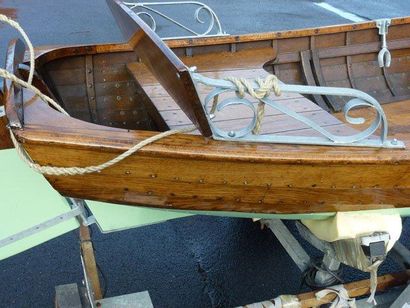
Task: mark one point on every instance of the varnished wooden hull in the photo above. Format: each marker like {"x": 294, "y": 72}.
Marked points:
{"x": 192, "y": 172}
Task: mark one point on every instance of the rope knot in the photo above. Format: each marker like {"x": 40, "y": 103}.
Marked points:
{"x": 266, "y": 86}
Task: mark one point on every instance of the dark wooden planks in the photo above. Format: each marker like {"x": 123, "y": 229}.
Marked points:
{"x": 343, "y": 59}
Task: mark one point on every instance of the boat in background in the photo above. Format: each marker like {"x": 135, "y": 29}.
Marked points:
{"x": 304, "y": 159}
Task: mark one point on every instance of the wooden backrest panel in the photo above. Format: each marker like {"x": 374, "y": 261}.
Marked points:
{"x": 167, "y": 68}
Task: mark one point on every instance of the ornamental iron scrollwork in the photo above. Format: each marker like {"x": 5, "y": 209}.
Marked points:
{"x": 149, "y": 10}
{"x": 375, "y": 135}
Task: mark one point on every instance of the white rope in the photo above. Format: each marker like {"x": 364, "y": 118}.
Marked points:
{"x": 53, "y": 170}
{"x": 372, "y": 269}
{"x": 342, "y": 299}
{"x": 27, "y": 85}
{"x": 15, "y": 25}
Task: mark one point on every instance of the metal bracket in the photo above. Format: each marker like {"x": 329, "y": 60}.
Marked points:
{"x": 87, "y": 284}
{"x": 359, "y": 99}
{"x": 2, "y": 111}
{"x": 384, "y": 56}
{"x": 84, "y": 219}
{"x": 147, "y": 8}
{"x": 77, "y": 210}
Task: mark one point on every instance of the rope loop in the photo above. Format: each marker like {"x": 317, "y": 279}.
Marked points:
{"x": 53, "y": 170}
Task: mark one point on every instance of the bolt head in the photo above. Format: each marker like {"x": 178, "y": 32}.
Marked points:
{"x": 231, "y": 134}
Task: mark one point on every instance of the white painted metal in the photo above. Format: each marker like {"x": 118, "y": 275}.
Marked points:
{"x": 289, "y": 243}
{"x": 76, "y": 211}
{"x": 384, "y": 56}
{"x": 147, "y": 9}
{"x": 403, "y": 301}
{"x": 364, "y": 138}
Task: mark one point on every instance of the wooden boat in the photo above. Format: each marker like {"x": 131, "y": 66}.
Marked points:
{"x": 120, "y": 94}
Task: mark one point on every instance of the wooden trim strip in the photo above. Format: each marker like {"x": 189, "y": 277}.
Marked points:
{"x": 280, "y": 34}
{"x": 349, "y": 63}
{"x": 354, "y": 289}
{"x": 89, "y": 77}
{"x": 343, "y": 51}
{"x": 357, "y": 288}
{"x": 309, "y": 79}
{"x": 317, "y": 69}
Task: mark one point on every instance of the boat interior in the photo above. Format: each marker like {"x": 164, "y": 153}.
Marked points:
{"x": 139, "y": 87}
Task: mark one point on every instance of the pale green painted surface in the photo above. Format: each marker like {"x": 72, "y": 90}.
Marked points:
{"x": 27, "y": 199}
{"x": 402, "y": 212}
{"x": 114, "y": 217}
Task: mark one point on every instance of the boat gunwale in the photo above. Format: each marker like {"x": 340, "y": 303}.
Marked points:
{"x": 273, "y": 153}
{"x": 46, "y": 54}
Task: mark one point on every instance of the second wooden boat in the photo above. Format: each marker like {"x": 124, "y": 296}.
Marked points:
{"x": 303, "y": 160}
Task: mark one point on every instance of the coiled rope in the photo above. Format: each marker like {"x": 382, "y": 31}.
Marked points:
{"x": 342, "y": 299}
{"x": 243, "y": 86}
{"x": 53, "y": 170}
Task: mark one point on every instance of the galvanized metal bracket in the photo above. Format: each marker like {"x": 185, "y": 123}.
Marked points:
{"x": 365, "y": 138}
{"x": 384, "y": 56}
{"x": 147, "y": 9}
{"x": 77, "y": 210}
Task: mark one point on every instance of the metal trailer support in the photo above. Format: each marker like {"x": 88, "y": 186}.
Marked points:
{"x": 289, "y": 243}
{"x": 399, "y": 252}
{"x": 403, "y": 300}
{"x": 391, "y": 282}
{"x": 69, "y": 296}
{"x": 299, "y": 255}
{"x": 401, "y": 255}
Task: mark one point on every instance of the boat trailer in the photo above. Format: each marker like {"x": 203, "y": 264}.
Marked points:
{"x": 394, "y": 287}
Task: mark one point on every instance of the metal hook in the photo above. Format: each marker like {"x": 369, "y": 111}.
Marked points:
{"x": 384, "y": 56}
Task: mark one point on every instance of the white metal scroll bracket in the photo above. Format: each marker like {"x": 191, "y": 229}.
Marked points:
{"x": 384, "y": 56}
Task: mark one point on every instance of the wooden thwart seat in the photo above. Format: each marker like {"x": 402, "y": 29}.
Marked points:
{"x": 167, "y": 68}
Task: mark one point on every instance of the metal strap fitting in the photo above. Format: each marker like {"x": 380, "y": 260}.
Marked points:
{"x": 77, "y": 210}
{"x": 384, "y": 56}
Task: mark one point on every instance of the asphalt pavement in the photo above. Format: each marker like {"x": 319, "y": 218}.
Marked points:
{"x": 191, "y": 262}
